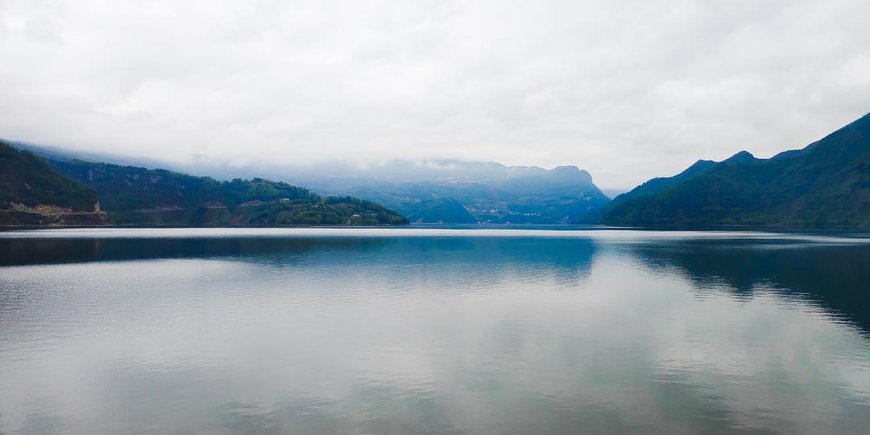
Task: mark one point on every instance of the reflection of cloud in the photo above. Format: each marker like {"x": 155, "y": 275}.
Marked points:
{"x": 773, "y": 356}
{"x": 445, "y": 335}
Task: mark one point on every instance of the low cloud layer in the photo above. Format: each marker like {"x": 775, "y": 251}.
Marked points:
{"x": 628, "y": 90}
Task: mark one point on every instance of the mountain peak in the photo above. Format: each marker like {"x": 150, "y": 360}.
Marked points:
{"x": 565, "y": 168}
{"x": 741, "y": 157}
{"x": 702, "y": 162}
{"x": 698, "y": 166}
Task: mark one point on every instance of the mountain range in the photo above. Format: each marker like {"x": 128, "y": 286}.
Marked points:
{"x": 427, "y": 191}
{"x": 823, "y": 185}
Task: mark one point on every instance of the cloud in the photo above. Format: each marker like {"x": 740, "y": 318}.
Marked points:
{"x": 627, "y": 90}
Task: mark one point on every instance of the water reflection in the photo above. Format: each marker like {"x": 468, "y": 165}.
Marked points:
{"x": 569, "y": 259}
{"x": 455, "y": 334}
{"x": 835, "y": 277}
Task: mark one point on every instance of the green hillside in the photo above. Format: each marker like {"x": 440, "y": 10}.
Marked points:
{"x": 825, "y": 185}
{"x": 39, "y": 192}
{"x": 441, "y": 210}
{"x": 140, "y": 196}
{"x": 28, "y": 180}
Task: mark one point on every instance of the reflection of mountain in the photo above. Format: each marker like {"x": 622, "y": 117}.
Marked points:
{"x": 472, "y": 258}
{"x": 83, "y": 250}
{"x": 835, "y": 277}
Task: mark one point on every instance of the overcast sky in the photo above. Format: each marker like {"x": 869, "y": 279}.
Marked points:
{"x": 628, "y": 90}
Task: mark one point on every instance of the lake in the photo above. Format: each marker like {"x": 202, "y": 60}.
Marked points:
{"x": 432, "y": 331}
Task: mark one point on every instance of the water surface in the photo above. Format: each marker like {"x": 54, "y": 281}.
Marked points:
{"x": 429, "y": 330}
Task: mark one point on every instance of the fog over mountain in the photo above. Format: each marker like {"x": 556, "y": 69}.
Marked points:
{"x": 453, "y": 191}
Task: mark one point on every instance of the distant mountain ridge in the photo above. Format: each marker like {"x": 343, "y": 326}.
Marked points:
{"x": 824, "y": 185}
{"x": 487, "y": 191}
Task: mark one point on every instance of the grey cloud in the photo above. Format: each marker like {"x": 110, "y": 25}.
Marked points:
{"x": 628, "y": 90}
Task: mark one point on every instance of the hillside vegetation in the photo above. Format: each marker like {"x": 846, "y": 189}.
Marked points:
{"x": 140, "y": 196}
{"x": 28, "y": 180}
{"x": 67, "y": 192}
{"x": 824, "y": 185}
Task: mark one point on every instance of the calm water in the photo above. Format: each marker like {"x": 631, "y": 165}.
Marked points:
{"x": 442, "y": 331}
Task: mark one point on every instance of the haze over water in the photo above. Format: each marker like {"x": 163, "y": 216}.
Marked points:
{"x": 427, "y": 330}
